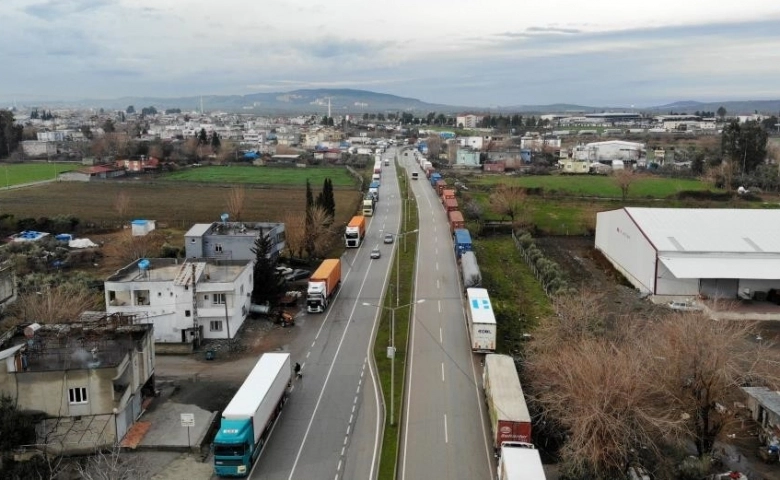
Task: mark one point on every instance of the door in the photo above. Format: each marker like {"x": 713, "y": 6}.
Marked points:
{"x": 719, "y": 287}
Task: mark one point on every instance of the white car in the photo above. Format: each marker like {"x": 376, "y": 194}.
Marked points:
{"x": 375, "y": 253}
{"x": 685, "y": 306}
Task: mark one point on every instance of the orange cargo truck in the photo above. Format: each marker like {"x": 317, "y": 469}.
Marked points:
{"x": 322, "y": 285}
{"x": 456, "y": 220}
{"x": 356, "y": 230}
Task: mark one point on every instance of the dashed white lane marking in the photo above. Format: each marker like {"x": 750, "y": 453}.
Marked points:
{"x": 442, "y": 371}
{"x": 446, "y": 438}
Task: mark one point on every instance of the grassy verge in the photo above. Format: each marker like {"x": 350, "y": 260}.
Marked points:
{"x": 405, "y": 277}
{"x": 19, "y": 173}
{"x": 518, "y": 299}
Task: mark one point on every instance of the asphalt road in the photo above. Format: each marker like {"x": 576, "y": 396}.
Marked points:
{"x": 445, "y": 429}
{"x": 331, "y": 426}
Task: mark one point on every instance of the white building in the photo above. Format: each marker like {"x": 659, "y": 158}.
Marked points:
{"x": 683, "y": 252}
{"x": 467, "y": 121}
{"x": 608, "y": 151}
{"x": 538, "y": 143}
{"x": 472, "y": 142}
{"x": 211, "y": 297}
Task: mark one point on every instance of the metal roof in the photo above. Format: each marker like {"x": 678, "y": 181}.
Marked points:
{"x": 709, "y": 230}
{"x": 740, "y": 266}
{"x": 198, "y": 230}
{"x": 770, "y": 399}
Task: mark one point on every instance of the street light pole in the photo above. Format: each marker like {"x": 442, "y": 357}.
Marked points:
{"x": 391, "y": 351}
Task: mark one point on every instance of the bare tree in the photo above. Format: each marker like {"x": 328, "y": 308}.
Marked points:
{"x": 294, "y": 233}
{"x": 111, "y": 465}
{"x": 700, "y": 363}
{"x": 227, "y": 151}
{"x": 623, "y": 179}
{"x": 126, "y": 248}
{"x": 122, "y": 203}
{"x": 235, "y": 200}
{"x": 319, "y": 234}
{"x": 62, "y": 303}
{"x": 597, "y": 391}
{"x": 509, "y": 200}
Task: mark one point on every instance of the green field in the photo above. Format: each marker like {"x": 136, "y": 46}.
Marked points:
{"x": 644, "y": 186}
{"x": 264, "y": 175}
{"x": 21, "y": 173}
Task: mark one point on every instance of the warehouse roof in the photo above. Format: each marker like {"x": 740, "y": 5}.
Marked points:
{"x": 712, "y": 266}
{"x": 716, "y": 230}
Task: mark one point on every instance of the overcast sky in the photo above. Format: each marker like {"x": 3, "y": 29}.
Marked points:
{"x": 457, "y": 52}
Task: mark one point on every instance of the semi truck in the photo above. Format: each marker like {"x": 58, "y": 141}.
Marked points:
{"x": 481, "y": 320}
{"x": 369, "y": 202}
{"x": 520, "y": 461}
{"x": 450, "y": 205}
{"x": 510, "y": 420}
{"x": 435, "y": 177}
{"x": 355, "y": 232}
{"x": 447, "y": 193}
{"x": 441, "y": 184}
{"x": 249, "y": 418}
{"x": 373, "y": 189}
{"x": 462, "y": 241}
{"x": 322, "y": 285}
{"x": 469, "y": 269}
{"x": 456, "y": 220}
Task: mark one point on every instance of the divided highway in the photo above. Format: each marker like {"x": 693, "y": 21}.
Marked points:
{"x": 445, "y": 425}
{"x": 332, "y": 424}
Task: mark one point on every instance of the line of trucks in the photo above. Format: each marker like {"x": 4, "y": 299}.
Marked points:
{"x": 510, "y": 421}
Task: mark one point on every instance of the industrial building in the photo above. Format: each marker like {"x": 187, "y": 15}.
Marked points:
{"x": 714, "y": 253}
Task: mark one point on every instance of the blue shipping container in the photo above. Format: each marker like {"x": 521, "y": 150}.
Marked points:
{"x": 462, "y": 241}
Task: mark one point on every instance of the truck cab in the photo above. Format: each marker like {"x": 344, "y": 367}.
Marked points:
{"x": 233, "y": 449}
{"x": 415, "y": 175}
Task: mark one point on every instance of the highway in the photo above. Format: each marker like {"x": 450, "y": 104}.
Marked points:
{"x": 445, "y": 429}
{"x": 332, "y": 424}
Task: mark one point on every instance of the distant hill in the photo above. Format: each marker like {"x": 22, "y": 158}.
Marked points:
{"x": 737, "y": 107}
{"x": 342, "y": 101}
{"x": 357, "y": 102}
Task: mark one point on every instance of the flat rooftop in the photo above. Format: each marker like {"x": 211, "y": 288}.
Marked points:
{"x": 74, "y": 346}
{"x": 247, "y": 229}
{"x": 171, "y": 270}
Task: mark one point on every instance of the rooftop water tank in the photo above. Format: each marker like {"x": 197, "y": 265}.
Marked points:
{"x": 144, "y": 264}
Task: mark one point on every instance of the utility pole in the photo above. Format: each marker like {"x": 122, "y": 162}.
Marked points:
{"x": 195, "y": 307}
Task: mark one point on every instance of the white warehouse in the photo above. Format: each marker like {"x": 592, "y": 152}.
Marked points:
{"x": 718, "y": 253}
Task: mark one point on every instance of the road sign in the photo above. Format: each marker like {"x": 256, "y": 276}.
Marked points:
{"x": 187, "y": 419}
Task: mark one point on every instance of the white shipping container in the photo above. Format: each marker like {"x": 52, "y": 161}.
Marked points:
{"x": 260, "y": 393}
{"x": 482, "y": 320}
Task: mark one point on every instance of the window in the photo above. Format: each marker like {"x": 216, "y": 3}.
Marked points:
{"x": 192, "y": 240}
{"x": 218, "y": 247}
{"x": 219, "y": 299}
{"x": 216, "y": 325}
{"x": 242, "y": 289}
{"x": 77, "y": 395}
{"x": 187, "y": 313}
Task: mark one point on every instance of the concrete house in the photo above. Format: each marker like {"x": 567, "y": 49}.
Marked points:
{"x": 186, "y": 302}
{"x": 88, "y": 378}
{"x": 716, "y": 253}
{"x": 231, "y": 240}
{"x": 467, "y": 157}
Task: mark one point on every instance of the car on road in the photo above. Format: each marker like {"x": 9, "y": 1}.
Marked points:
{"x": 375, "y": 253}
{"x": 297, "y": 274}
{"x": 388, "y": 238}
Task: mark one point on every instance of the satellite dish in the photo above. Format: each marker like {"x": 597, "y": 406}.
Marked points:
{"x": 224, "y": 217}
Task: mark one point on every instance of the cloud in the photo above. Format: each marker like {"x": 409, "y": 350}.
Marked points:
{"x": 57, "y": 9}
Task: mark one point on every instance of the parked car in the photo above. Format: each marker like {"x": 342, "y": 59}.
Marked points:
{"x": 388, "y": 238}
{"x": 375, "y": 253}
{"x": 685, "y": 306}
{"x": 298, "y": 274}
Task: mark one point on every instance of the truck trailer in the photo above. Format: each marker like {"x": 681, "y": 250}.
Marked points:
{"x": 322, "y": 285}
{"x": 508, "y": 412}
{"x": 440, "y": 186}
{"x": 520, "y": 461}
{"x": 369, "y": 202}
{"x": 456, "y": 220}
{"x": 447, "y": 193}
{"x": 355, "y": 232}
{"x": 450, "y": 204}
{"x": 481, "y": 320}
{"x": 469, "y": 270}
{"x": 373, "y": 190}
{"x": 249, "y": 418}
{"x": 462, "y": 241}
{"x": 435, "y": 177}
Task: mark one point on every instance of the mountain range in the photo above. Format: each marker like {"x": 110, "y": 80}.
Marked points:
{"x": 356, "y": 102}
